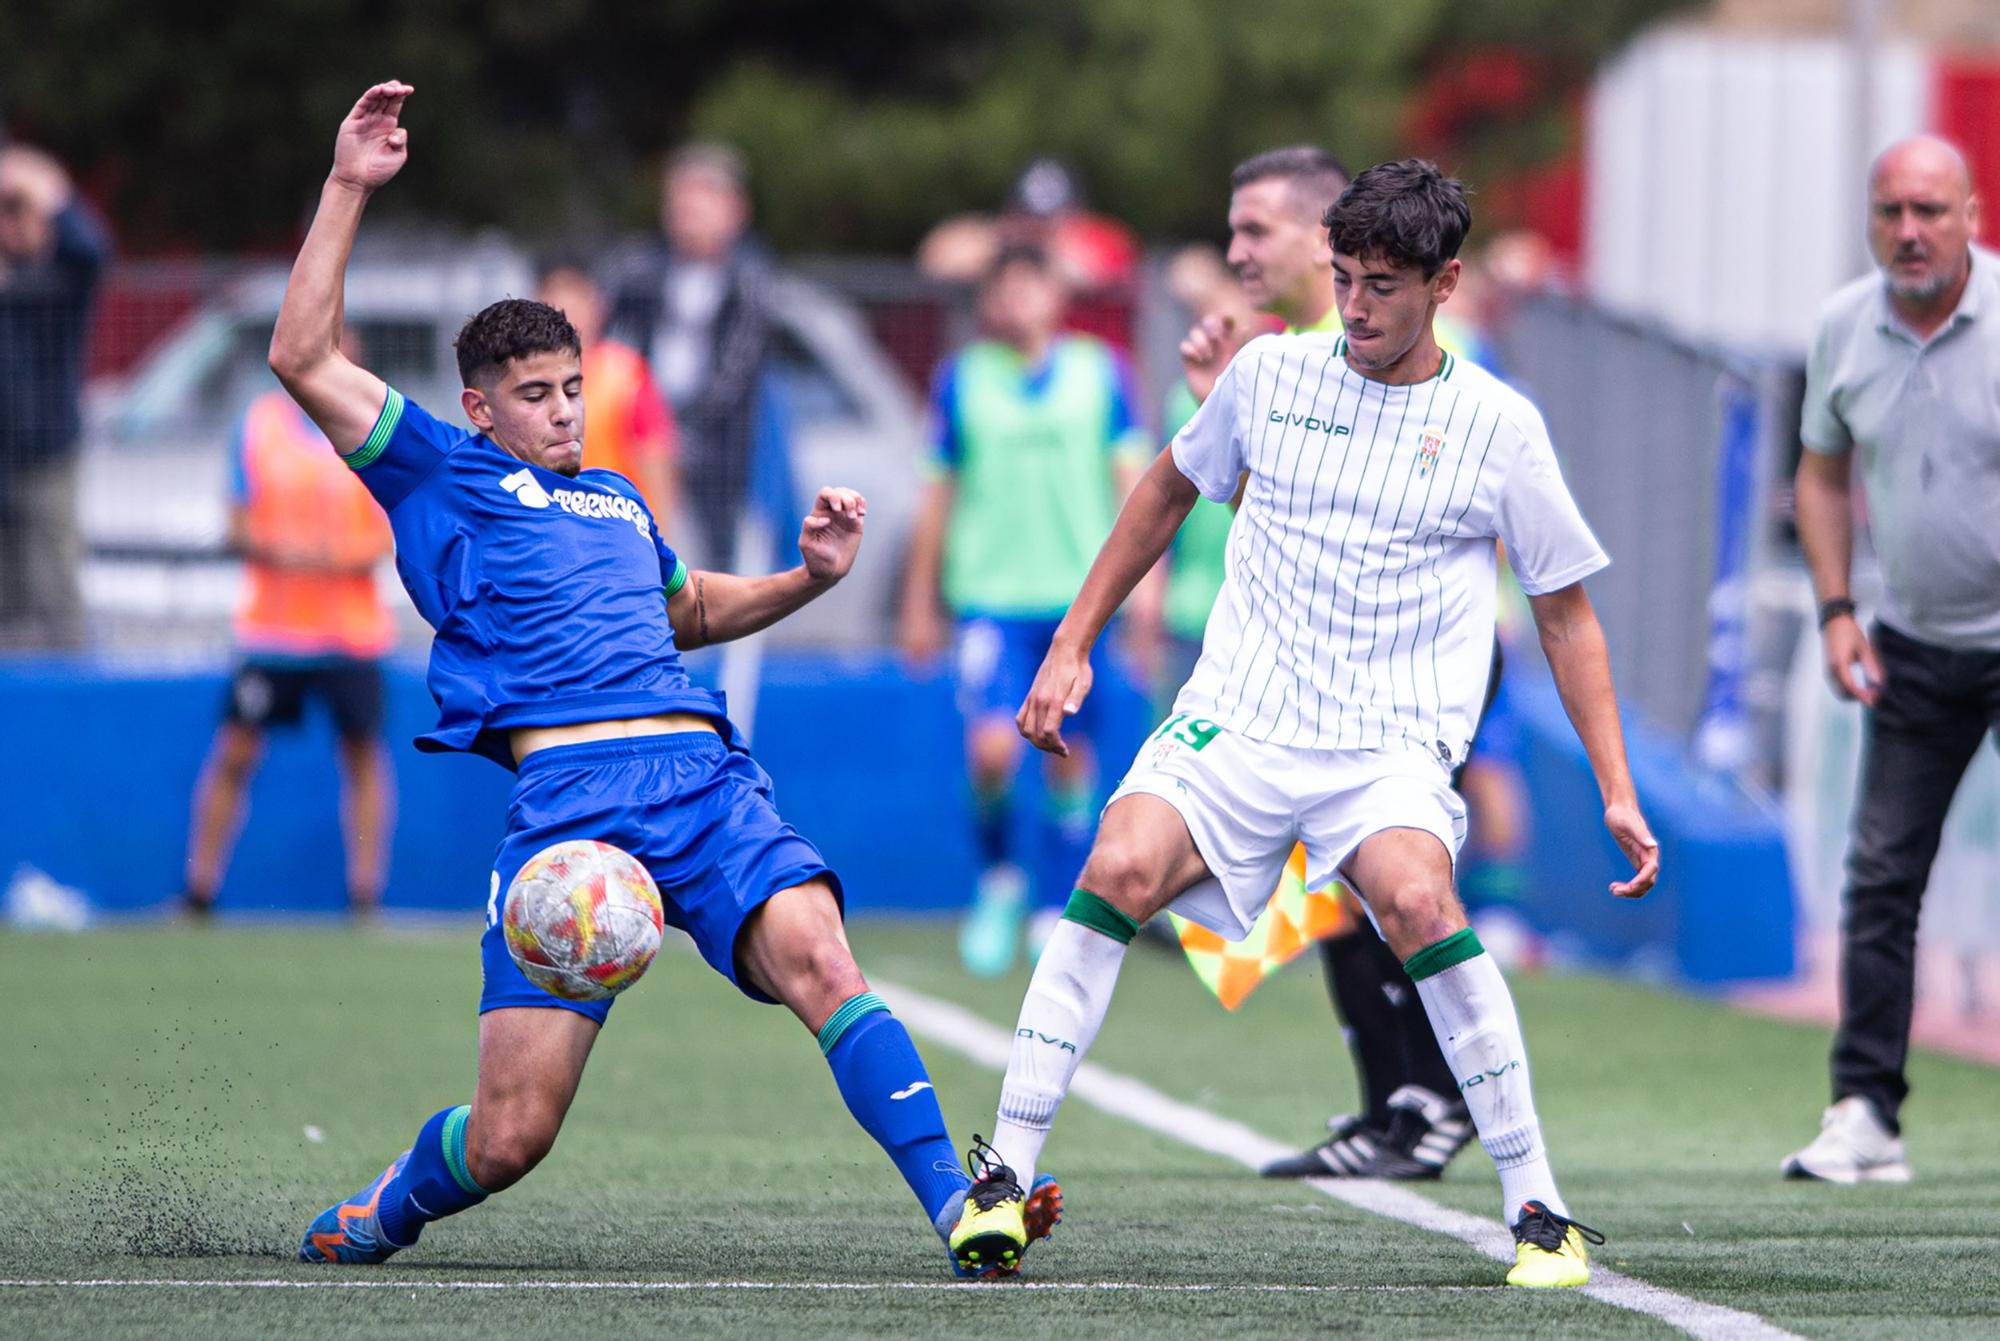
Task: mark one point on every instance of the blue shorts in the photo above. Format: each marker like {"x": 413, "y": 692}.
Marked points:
{"x": 995, "y": 662}
{"x": 696, "y": 814}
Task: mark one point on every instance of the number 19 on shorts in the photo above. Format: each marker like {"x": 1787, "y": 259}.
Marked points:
{"x": 1191, "y": 731}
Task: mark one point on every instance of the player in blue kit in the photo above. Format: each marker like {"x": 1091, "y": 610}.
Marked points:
{"x": 558, "y": 610}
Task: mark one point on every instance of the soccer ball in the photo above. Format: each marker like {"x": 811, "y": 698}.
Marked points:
{"x": 583, "y": 920}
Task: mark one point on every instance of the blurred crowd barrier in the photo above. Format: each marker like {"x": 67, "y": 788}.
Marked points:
{"x": 101, "y": 762}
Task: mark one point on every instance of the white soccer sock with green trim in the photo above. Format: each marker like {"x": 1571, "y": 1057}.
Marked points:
{"x": 1066, "y": 1003}
{"x": 1473, "y": 1015}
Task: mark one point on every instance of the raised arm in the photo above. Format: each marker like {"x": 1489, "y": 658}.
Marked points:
{"x": 342, "y": 399}
{"x": 1153, "y": 512}
{"x": 721, "y": 607}
{"x": 1573, "y": 641}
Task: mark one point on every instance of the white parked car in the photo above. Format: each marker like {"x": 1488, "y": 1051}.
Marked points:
{"x": 153, "y": 489}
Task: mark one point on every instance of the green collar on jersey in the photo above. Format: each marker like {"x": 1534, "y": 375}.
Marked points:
{"x": 1446, "y": 363}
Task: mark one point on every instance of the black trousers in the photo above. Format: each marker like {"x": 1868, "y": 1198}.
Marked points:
{"x": 1935, "y": 708}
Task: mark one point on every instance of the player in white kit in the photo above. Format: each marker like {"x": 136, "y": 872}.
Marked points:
{"x": 1340, "y": 677}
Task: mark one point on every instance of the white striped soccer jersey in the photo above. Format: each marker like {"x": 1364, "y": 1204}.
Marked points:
{"x": 1359, "y": 605}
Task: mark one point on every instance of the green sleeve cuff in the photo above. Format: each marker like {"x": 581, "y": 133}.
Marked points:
{"x": 378, "y": 438}
{"x": 679, "y": 579}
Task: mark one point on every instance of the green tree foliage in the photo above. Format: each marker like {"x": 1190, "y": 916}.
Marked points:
{"x": 209, "y": 126}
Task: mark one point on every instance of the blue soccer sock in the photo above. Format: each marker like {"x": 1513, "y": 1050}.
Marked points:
{"x": 1071, "y": 820}
{"x": 887, "y": 1089}
{"x": 434, "y": 1181}
{"x": 992, "y": 822}
{"x": 1069, "y": 810}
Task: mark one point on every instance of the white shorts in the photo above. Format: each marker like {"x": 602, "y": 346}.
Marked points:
{"x": 1247, "y": 802}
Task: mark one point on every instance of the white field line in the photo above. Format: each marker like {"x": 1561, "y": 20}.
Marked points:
{"x": 1139, "y": 1103}
{"x": 683, "y": 1286}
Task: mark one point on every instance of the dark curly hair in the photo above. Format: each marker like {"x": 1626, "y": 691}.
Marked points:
{"x": 1407, "y": 211}
{"x": 512, "y": 328}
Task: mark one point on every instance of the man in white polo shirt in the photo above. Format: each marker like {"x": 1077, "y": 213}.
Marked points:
{"x": 1340, "y": 678}
{"x": 1903, "y": 373}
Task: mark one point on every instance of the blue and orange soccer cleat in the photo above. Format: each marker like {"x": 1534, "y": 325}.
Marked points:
{"x": 350, "y": 1232}
{"x": 998, "y": 1221}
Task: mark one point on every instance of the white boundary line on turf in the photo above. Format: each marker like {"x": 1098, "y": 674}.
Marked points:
{"x": 766, "y": 1286}
{"x": 1139, "y": 1103}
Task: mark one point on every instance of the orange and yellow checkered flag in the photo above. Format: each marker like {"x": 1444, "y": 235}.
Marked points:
{"x": 1294, "y": 918}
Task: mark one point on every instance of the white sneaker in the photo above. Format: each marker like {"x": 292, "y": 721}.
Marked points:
{"x": 1852, "y": 1147}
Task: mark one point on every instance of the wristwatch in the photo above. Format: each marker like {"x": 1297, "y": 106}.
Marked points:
{"x": 1833, "y": 608}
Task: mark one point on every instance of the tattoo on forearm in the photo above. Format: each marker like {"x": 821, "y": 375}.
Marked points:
{"x": 700, "y": 609}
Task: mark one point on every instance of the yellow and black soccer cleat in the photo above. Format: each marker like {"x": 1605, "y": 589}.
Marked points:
{"x": 999, "y": 1220}
{"x": 1549, "y": 1249}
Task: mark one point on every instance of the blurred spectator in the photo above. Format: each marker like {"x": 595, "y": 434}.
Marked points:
{"x": 1034, "y": 440}
{"x": 694, "y": 302}
{"x": 1900, "y": 380}
{"x": 311, "y": 625}
{"x": 628, "y": 427}
{"x": 52, "y": 253}
{"x": 1090, "y": 251}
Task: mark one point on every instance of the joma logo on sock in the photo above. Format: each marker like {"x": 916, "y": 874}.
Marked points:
{"x": 1062, "y": 1043}
{"x": 1491, "y": 1074}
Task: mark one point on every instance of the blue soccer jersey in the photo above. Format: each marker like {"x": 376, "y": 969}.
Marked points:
{"x": 548, "y": 594}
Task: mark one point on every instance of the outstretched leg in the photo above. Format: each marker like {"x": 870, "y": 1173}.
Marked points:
{"x": 530, "y": 1061}
{"x": 794, "y": 950}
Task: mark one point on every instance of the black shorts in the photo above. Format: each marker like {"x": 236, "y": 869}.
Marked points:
{"x": 264, "y": 694}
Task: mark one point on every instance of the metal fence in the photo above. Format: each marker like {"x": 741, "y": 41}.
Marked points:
{"x": 1642, "y": 422}
{"x": 1640, "y": 419}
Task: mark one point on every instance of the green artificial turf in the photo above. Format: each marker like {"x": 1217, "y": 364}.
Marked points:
{"x": 161, "y": 1089}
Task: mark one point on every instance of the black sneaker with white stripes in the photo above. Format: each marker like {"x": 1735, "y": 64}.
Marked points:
{"x": 1425, "y": 1130}
{"x": 1349, "y": 1146}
